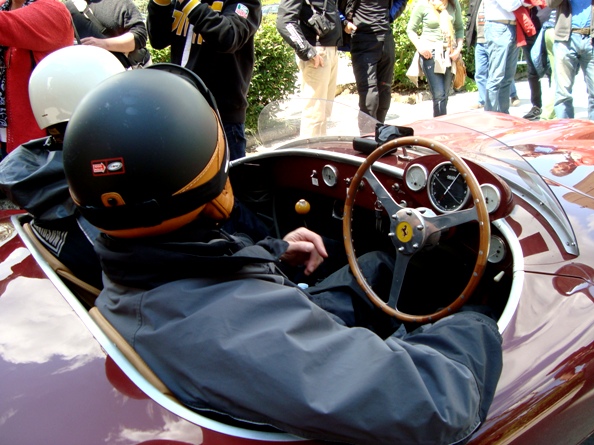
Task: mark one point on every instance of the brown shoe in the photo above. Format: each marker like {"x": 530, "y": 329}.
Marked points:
{"x": 515, "y": 101}
{"x": 476, "y": 106}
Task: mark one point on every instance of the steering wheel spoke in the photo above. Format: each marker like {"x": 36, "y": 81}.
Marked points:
{"x": 381, "y": 193}
{"x": 397, "y": 279}
{"x": 449, "y": 220}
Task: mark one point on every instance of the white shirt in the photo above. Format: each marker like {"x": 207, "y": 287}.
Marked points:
{"x": 501, "y": 9}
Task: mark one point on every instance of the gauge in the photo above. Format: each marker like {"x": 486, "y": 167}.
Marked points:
{"x": 447, "y": 190}
{"x": 492, "y": 197}
{"x": 497, "y": 250}
{"x": 416, "y": 177}
{"x": 330, "y": 175}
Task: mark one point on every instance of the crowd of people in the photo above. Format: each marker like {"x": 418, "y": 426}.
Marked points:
{"x": 216, "y": 41}
{"x": 159, "y": 240}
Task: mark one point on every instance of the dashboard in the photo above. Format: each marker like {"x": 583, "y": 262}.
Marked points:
{"x": 428, "y": 181}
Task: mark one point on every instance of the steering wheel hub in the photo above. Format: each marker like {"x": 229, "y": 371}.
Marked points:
{"x": 410, "y": 231}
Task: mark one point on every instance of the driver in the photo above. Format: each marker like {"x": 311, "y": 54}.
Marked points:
{"x": 214, "y": 316}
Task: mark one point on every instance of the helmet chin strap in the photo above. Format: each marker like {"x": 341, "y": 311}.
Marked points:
{"x": 220, "y": 208}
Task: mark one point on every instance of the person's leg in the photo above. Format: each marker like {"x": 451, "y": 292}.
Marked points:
{"x": 385, "y": 77}
{"x": 481, "y": 69}
{"x": 511, "y": 64}
{"x": 315, "y": 90}
{"x": 533, "y": 78}
{"x": 503, "y": 58}
{"x": 448, "y": 84}
{"x": 586, "y": 59}
{"x": 235, "y": 134}
{"x": 365, "y": 57}
{"x": 436, "y": 85}
{"x": 548, "y": 109}
{"x": 513, "y": 92}
{"x": 332, "y": 53}
{"x": 566, "y": 66}
{"x": 341, "y": 295}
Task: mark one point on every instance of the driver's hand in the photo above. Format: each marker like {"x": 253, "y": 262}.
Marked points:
{"x": 305, "y": 248}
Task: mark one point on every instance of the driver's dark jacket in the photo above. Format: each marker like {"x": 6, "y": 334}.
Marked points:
{"x": 227, "y": 332}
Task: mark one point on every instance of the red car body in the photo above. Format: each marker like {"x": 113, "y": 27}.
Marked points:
{"x": 63, "y": 381}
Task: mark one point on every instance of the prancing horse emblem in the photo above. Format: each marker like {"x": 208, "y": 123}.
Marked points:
{"x": 404, "y": 232}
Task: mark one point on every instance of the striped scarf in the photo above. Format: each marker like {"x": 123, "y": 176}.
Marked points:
{"x": 3, "y": 118}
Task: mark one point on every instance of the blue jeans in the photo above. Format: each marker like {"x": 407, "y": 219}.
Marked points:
{"x": 481, "y": 71}
{"x": 235, "y": 134}
{"x": 439, "y": 84}
{"x": 503, "y": 60}
{"x": 570, "y": 56}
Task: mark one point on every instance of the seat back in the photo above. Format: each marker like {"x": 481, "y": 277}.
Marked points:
{"x": 86, "y": 292}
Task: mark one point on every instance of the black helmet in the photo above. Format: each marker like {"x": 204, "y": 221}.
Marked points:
{"x": 145, "y": 153}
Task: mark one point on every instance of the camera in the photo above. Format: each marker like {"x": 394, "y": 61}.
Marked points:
{"x": 320, "y": 24}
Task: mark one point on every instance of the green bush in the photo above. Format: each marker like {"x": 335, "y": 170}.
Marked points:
{"x": 275, "y": 71}
{"x": 404, "y": 51}
{"x": 159, "y": 55}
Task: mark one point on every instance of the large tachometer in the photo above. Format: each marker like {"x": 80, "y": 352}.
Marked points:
{"x": 447, "y": 189}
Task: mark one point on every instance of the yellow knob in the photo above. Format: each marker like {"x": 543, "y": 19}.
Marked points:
{"x": 302, "y": 207}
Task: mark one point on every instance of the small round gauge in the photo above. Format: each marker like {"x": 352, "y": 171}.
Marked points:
{"x": 416, "y": 177}
{"x": 447, "y": 189}
{"x": 330, "y": 175}
{"x": 492, "y": 197}
{"x": 497, "y": 250}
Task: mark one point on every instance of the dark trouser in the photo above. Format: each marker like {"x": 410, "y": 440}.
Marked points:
{"x": 235, "y": 134}
{"x": 373, "y": 67}
{"x": 341, "y": 295}
{"x": 440, "y": 85}
{"x": 533, "y": 79}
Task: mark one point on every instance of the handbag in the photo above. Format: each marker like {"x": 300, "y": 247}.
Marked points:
{"x": 460, "y": 74}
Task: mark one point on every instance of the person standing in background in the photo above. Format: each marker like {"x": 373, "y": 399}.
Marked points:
{"x": 372, "y": 51}
{"x": 573, "y": 50}
{"x": 440, "y": 43}
{"x": 538, "y": 17}
{"x": 29, "y": 31}
{"x": 114, "y": 25}
{"x": 475, "y": 37}
{"x": 214, "y": 39}
{"x": 502, "y": 51}
{"x": 316, "y": 54}
{"x": 32, "y": 175}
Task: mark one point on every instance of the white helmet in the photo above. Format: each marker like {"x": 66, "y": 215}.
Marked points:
{"x": 64, "y": 77}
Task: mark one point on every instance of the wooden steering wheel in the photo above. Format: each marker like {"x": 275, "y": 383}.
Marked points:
{"x": 411, "y": 229}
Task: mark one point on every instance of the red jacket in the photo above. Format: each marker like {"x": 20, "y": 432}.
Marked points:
{"x": 524, "y": 25}
{"x": 30, "y": 32}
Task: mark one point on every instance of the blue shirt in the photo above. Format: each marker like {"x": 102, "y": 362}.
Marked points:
{"x": 581, "y": 13}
